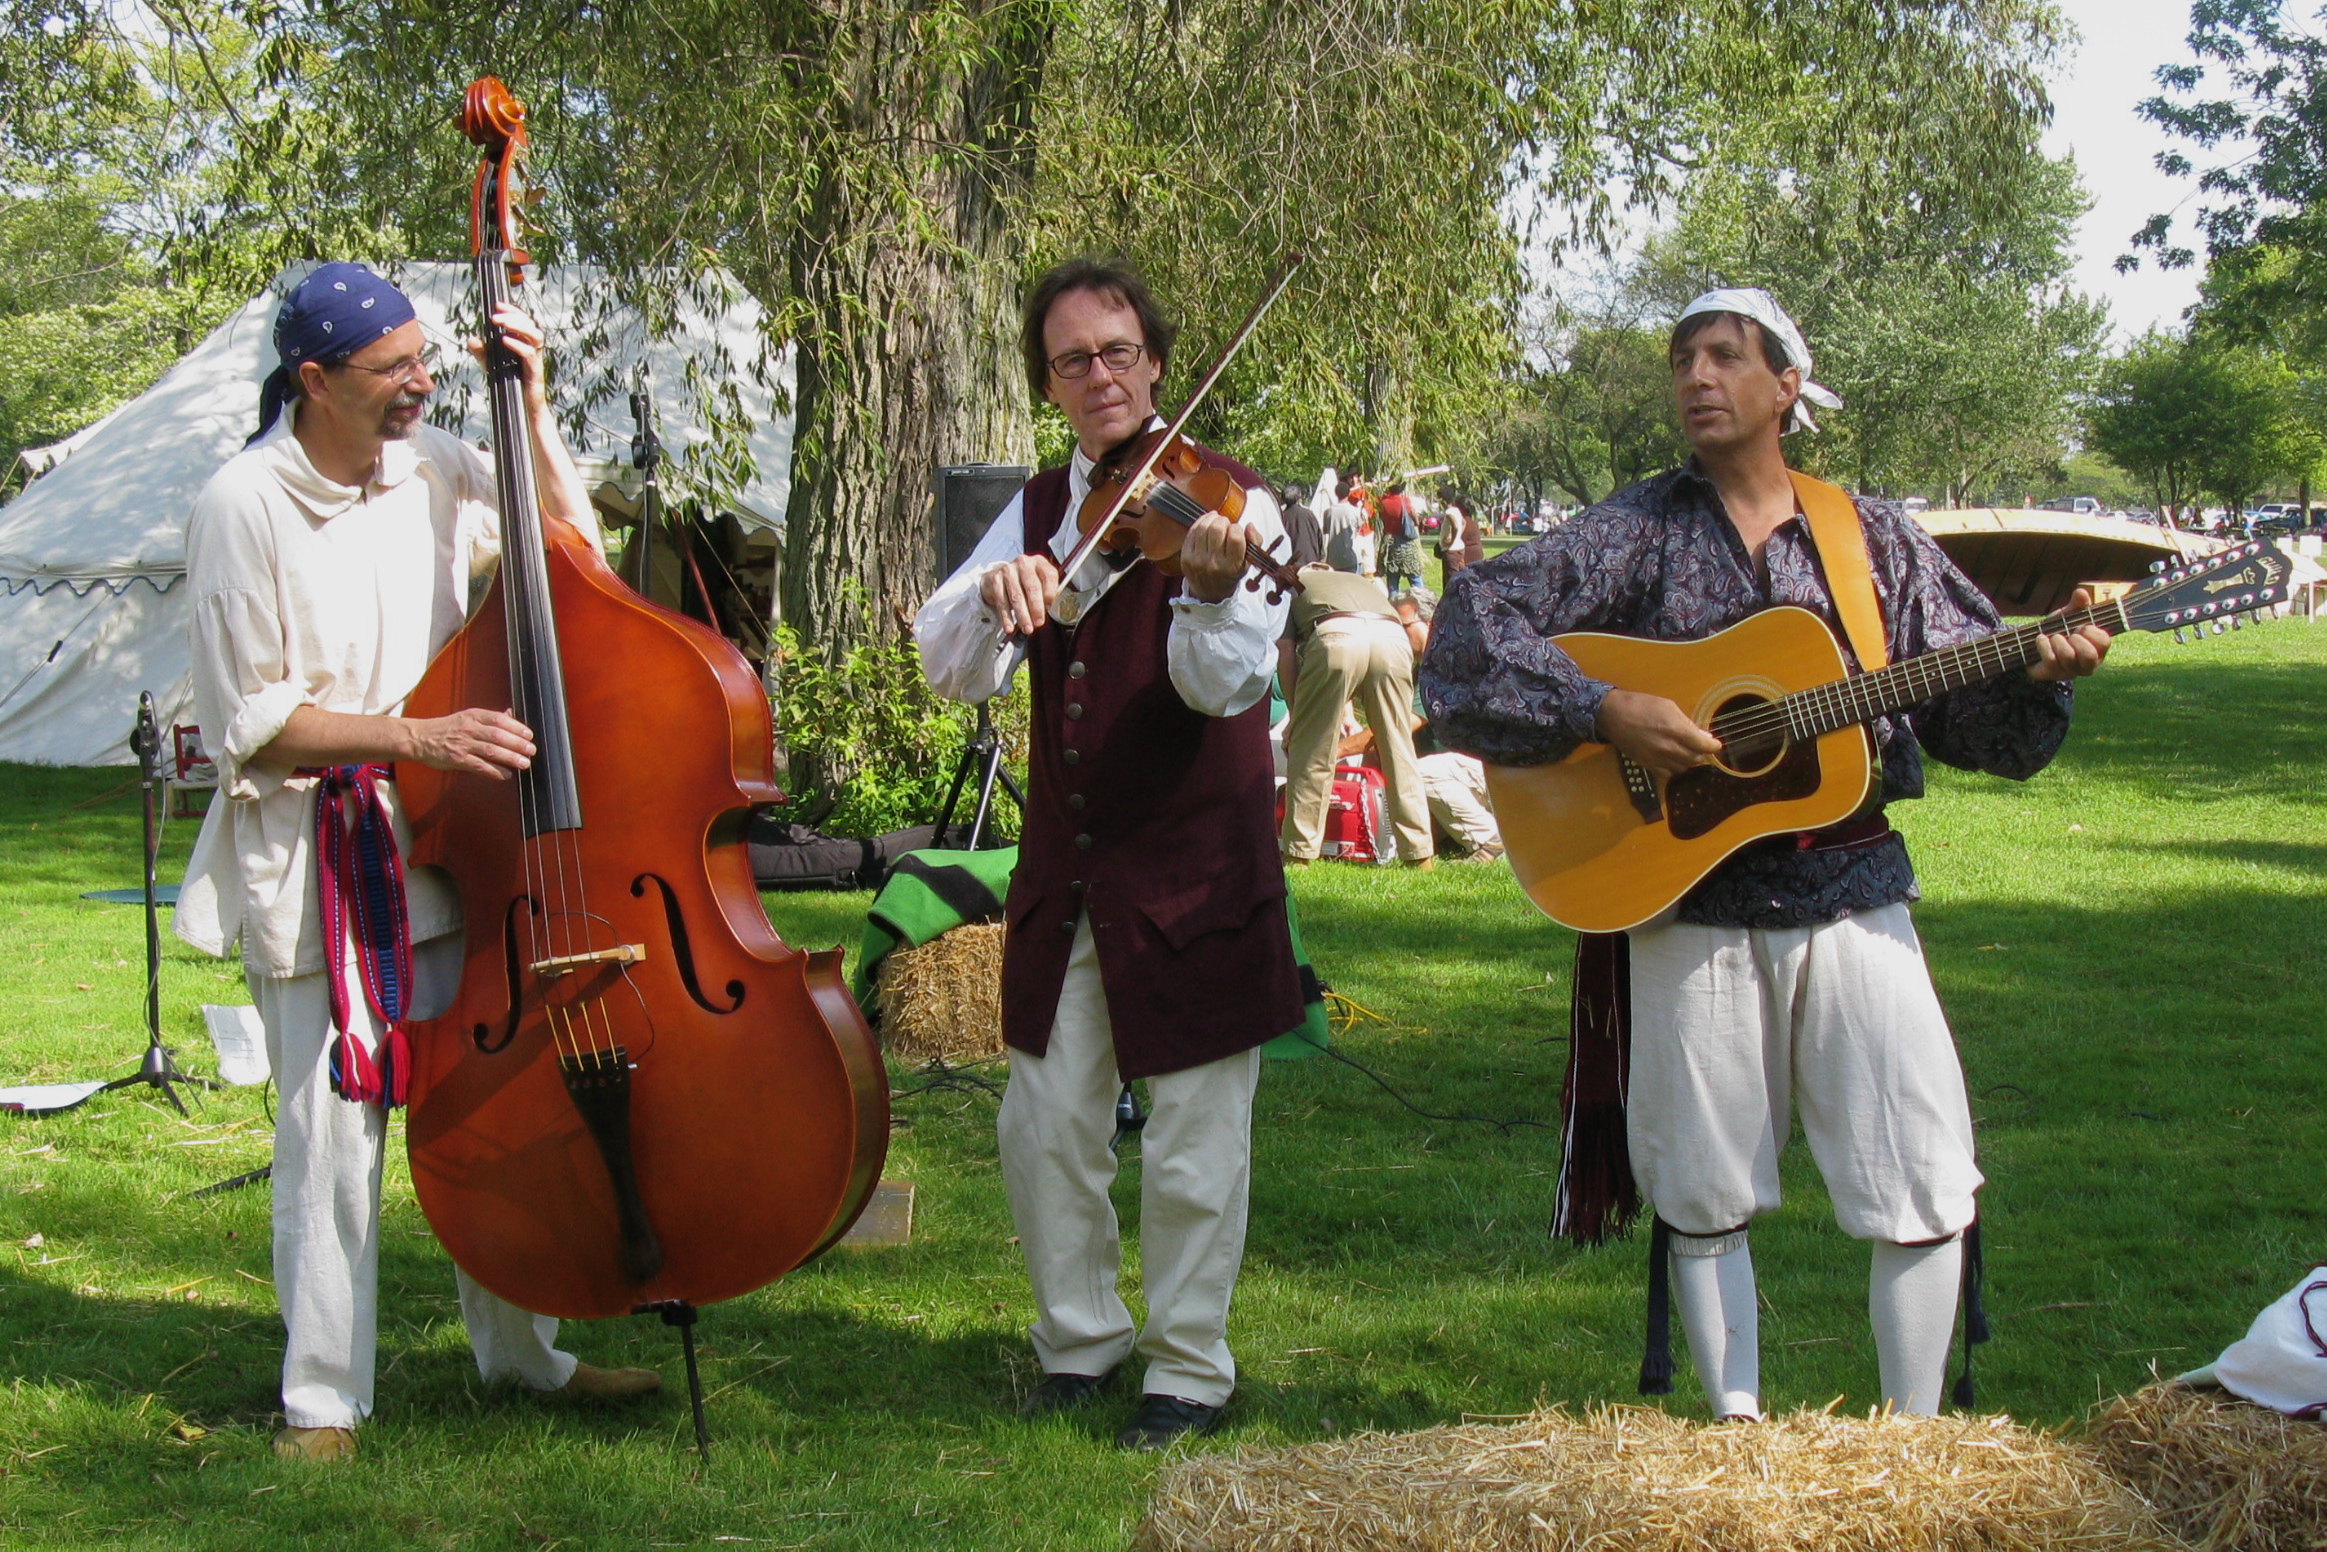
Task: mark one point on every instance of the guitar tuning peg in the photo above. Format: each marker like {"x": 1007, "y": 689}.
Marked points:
{"x": 2156, "y": 567}
{"x": 2178, "y": 636}
{"x": 2220, "y": 626}
{"x": 2238, "y": 622}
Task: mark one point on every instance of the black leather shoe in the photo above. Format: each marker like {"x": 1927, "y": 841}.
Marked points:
{"x": 1063, "y": 1393}
{"x": 1161, "y": 1419}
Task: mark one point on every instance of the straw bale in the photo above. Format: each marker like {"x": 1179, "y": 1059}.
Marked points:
{"x": 943, "y": 1000}
{"x": 2223, "y": 1472}
{"x": 1632, "y": 1479}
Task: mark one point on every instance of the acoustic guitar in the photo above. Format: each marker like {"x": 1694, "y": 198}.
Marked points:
{"x": 1601, "y": 845}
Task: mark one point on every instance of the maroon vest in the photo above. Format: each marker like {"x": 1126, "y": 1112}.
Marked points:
{"x": 1157, "y": 821}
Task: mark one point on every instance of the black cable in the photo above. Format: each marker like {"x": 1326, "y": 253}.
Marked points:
{"x": 946, "y": 1079}
{"x": 1502, "y": 1127}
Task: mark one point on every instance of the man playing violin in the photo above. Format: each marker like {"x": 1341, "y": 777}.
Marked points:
{"x": 329, "y": 562}
{"x": 1793, "y": 969}
{"x": 1147, "y": 934}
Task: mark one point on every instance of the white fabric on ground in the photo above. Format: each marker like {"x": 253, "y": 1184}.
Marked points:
{"x": 1455, "y": 786}
{"x": 2281, "y": 1362}
{"x": 328, "y": 1153}
{"x": 1731, "y": 1024}
{"x": 1057, "y": 1117}
{"x": 1911, "y": 1292}
{"x": 1719, "y": 1311}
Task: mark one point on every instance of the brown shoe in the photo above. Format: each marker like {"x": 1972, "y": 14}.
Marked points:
{"x": 318, "y": 1444}
{"x": 594, "y": 1384}
{"x": 1422, "y": 864}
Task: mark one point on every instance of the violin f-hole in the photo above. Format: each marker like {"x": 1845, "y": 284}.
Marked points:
{"x": 682, "y": 953}
{"x": 513, "y": 963}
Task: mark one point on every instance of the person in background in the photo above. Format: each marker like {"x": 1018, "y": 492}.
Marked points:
{"x": 1351, "y": 645}
{"x": 1341, "y": 525}
{"x": 1401, "y": 542}
{"x": 1302, "y": 529}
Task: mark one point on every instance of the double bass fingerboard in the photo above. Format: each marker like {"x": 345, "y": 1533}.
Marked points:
{"x": 549, "y": 798}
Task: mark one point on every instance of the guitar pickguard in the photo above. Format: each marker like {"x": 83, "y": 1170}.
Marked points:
{"x": 1697, "y": 801}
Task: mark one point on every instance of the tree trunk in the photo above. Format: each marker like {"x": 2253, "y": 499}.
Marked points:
{"x": 909, "y": 358}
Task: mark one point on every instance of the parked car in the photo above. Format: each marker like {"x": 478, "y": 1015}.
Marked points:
{"x": 2083, "y": 506}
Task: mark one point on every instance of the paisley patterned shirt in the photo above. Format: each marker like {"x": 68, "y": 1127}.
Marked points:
{"x": 1662, "y": 560}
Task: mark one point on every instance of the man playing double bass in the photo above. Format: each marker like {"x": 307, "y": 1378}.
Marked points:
{"x": 1793, "y": 969}
{"x": 1147, "y": 933}
{"x": 330, "y": 560}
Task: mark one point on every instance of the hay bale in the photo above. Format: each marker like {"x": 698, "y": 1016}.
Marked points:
{"x": 1631, "y": 1479}
{"x": 2222, "y": 1472}
{"x": 943, "y": 1000}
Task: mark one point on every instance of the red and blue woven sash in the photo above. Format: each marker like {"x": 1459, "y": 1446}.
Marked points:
{"x": 360, "y": 880}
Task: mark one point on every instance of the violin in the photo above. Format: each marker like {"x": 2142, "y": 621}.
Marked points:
{"x": 1149, "y": 513}
{"x": 640, "y": 1099}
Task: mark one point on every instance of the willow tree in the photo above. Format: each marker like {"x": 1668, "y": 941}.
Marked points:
{"x": 883, "y": 174}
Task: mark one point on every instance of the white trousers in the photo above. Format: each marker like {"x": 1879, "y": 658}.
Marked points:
{"x": 1058, "y": 1115}
{"x": 1456, "y": 787}
{"x": 1732, "y": 1026}
{"x": 328, "y": 1153}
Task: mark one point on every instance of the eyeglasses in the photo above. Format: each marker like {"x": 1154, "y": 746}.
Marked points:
{"x": 401, "y": 373}
{"x": 1120, "y": 357}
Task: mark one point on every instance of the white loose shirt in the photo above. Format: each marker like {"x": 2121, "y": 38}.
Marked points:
{"x": 307, "y": 592}
{"x": 1221, "y": 655}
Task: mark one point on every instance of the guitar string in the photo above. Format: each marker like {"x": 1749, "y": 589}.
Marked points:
{"x": 1843, "y": 703}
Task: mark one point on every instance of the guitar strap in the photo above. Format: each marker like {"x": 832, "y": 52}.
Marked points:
{"x": 1841, "y": 544}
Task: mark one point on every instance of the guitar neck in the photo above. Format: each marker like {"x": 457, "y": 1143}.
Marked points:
{"x": 1844, "y": 703}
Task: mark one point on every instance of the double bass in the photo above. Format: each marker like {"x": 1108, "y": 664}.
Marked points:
{"x": 640, "y": 1099}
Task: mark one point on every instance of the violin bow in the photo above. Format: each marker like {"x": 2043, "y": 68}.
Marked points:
{"x": 1067, "y": 613}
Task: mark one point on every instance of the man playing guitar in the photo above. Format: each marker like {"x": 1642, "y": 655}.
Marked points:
{"x": 1792, "y": 969}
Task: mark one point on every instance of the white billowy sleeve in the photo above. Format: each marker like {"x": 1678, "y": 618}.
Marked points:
{"x": 244, "y": 694}
{"x": 962, "y": 655}
{"x": 1221, "y": 655}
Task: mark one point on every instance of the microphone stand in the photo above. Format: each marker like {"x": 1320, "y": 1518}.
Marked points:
{"x": 646, "y": 456}
{"x": 158, "y": 1070}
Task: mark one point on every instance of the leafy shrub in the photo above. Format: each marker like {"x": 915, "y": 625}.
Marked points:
{"x": 868, "y": 738}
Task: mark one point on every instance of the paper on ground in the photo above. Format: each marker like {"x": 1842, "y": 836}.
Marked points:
{"x": 241, "y": 1042}
{"x": 46, "y": 1098}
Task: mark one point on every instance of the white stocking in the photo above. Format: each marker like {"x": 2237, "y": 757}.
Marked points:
{"x": 1911, "y": 1299}
{"x": 1715, "y": 1295}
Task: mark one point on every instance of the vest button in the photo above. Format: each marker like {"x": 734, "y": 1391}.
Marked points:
{"x": 1082, "y": 843}
{"x": 1075, "y": 710}
{"x": 1076, "y": 886}
{"x": 1074, "y": 800}
{"x": 1073, "y": 756}
{"x": 1076, "y": 670}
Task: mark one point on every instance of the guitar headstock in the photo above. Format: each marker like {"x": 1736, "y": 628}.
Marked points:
{"x": 2212, "y": 590}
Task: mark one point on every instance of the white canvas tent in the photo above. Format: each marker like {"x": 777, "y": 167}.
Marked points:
{"x": 93, "y": 554}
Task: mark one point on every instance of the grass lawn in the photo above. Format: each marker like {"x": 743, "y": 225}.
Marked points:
{"x": 2129, "y": 947}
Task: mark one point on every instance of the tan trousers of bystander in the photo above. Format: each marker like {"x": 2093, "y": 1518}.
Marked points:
{"x": 1371, "y": 662}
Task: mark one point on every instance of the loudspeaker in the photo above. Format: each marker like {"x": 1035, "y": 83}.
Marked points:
{"x": 969, "y": 497}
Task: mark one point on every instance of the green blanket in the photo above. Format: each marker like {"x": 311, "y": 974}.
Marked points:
{"x": 933, "y": 892}
{"x": 928, "y": 893}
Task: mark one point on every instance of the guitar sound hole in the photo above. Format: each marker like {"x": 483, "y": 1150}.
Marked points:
{"x": 1753, "y": 735}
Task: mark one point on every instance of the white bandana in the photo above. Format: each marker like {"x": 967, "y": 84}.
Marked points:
{"x": 1757, "y": 304}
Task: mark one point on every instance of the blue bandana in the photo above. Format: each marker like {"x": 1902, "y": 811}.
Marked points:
{"x": 333, "y": 313}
